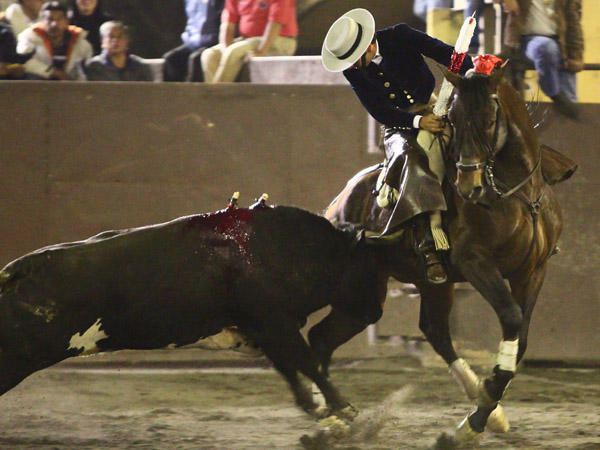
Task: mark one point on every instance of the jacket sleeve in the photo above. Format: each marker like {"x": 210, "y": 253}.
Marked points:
{"x": 84, "y": 52}
{"x": 34, "y": 65}
{"x": 380, "y": 108}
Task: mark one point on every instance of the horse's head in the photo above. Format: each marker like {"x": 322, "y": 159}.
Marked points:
{"x": 480, "y": 129}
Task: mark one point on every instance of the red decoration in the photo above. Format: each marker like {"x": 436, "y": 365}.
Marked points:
{"x": 456, "y": 62}
{"x": 484, "y": 64}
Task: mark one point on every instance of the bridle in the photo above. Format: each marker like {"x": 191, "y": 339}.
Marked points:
{"x": 488, "y": 163}
{"x": 499, "y": 187}
{"x": 502, "y": 189}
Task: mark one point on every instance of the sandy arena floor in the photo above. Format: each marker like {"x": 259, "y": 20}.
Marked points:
{"x": 403, "y": 406}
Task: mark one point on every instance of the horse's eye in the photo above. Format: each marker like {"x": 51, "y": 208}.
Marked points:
{"x": 491, "y": 123}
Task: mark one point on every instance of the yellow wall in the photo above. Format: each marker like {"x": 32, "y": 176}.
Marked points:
{"x": 444, "y": 24}
{"x": 588, "y": 80}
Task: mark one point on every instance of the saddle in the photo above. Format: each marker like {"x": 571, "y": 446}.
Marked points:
{"x": 412, "y": 186}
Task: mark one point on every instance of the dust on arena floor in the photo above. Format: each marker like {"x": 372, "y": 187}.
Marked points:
{"x": 404, "y": 405}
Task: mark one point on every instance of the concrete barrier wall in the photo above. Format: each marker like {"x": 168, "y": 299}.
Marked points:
{"x": 77, "y": 159}
{"x": 80, "y": 158}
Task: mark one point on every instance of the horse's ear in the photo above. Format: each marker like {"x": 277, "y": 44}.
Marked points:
{"x": 498, "y": 73}
{"x": 452, "y": 77}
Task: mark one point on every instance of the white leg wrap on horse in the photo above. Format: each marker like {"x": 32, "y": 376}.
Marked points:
{"x": 465, "y": 377}
{"x": 507, "y": 355}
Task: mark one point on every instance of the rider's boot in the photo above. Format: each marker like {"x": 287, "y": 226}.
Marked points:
{"x": 432, "y": 259}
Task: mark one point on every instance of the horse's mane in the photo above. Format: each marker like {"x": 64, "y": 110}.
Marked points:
{"x": 472, "y": 105}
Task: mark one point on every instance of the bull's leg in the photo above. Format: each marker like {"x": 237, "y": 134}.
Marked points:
{"x": 338, "y": 327}
{"x": 289, "y": 353}
{"x": 302, "y": 396}
{"x": 477, "y": 265}
{"x": 334, "y": 330}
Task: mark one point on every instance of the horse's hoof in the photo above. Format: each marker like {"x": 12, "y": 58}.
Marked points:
{"x": 465, "y": 434}
{"x": 335, "y": 426}
{"x": 497, "y": 421}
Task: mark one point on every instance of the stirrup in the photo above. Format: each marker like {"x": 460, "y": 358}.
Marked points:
{"x": 434, "y": 269}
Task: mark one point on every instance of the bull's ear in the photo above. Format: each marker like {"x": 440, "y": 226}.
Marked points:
{"x": 452, "y": 77}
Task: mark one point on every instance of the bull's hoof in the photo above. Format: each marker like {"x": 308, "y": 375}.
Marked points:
{"x": 348, "y": 413}
{"x": 497, "y": 421}
{"x": 319, "y": 412}
{"x": 317, "y": 396}
{"x": 465, "y": 434}
{"x": 335, "y": 426}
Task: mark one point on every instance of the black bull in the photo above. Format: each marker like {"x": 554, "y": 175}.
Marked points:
{"x": 262, "y": 270}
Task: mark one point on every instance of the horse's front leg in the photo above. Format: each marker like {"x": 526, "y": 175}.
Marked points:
{"x": 526, "y": 288}
{"x": 434, "y": 322}
{"x": 477, "y": 266}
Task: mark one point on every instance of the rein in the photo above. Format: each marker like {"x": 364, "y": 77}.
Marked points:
{"x": 504, "y": 191}
{"x": 497, "y": 185}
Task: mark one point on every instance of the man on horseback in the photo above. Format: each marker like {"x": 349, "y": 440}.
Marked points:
{"x": 388, "y": 73}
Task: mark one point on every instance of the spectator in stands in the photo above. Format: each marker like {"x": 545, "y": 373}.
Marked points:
{"x": 22, "y": 14}
{"x": 115, "y": 63}
{"x": 265, "y": 27}
{"x": 56, "y": 46}
{"x": 550, "y": 35}
{"x": 420, "y": 7}
{"x": 11, "y": 66}
{"x": 475, "y": 8}
{"x": 201, "y": 31}
{"x": 6, "y": 3}
{"x": 88, "y": 14}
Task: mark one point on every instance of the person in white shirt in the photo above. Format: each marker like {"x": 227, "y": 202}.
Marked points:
{"x": 22, "y": 14}
{"x": 56, "y": 46}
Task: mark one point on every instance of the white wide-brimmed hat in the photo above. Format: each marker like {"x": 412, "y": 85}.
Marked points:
{"x": 347, "y": 39}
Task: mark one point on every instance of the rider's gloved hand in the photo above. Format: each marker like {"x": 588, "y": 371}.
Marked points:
{"x": 432, "y": 123}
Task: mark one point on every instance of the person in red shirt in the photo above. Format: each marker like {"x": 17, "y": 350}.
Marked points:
{"x": 262, "y": 27}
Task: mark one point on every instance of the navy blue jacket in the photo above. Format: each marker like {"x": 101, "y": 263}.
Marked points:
{"x": 402, "y": 77}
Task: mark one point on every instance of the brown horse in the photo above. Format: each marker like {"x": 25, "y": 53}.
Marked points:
{"x": 503, "y": 221}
